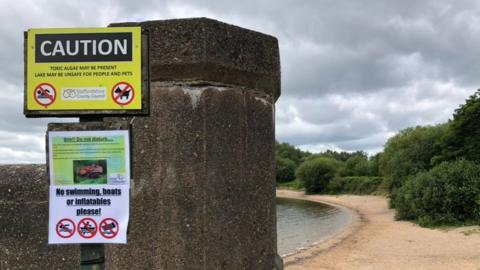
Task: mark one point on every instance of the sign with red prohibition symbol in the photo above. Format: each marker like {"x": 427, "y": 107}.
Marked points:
{"x": 123, "y": 93}
{"x": 109, "y": 228}
{"x": 65, "y": 228}
{"x": 45, "y": 94}
{"x": 87, "y": 228}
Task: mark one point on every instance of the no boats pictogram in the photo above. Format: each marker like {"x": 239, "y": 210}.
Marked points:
{"x": 109, "y": 228}
{"x": 87, "y": 228}
{"x": 45, "y": 94}
{"x": 123, "y": 93}
{"x": 65, "y": 228}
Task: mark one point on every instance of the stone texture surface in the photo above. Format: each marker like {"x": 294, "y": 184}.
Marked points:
{"x": 203, "y": 188}
{"x": 209, "y": 50}
{"x": 24, "y": 222}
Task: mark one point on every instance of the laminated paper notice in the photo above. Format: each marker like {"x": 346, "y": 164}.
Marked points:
{"x": 89, "y": 186}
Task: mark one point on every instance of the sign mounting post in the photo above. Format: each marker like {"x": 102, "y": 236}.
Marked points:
{"x": 88, "y": 73}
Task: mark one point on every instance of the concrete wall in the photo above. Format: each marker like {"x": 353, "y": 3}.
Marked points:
{"x": 24, "y": 222}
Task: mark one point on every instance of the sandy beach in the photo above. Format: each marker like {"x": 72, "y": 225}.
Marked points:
{"x": 374, "y": 240}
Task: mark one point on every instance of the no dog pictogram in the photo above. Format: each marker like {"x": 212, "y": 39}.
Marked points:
{"x": 109, "y": 228}
{"x": 123, "y": 93}
{"x": 45, "y": 94}
{"x": 87, "y": 228}
{"x": 65, "y": 228}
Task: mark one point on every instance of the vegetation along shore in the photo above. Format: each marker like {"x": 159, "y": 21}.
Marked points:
{"x": 426, "y": 176}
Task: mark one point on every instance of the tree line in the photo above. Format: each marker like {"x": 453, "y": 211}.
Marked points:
{"x": 430, "y": 173}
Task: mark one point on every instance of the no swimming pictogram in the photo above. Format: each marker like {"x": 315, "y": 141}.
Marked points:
{"x": 87, "y": 228}
{"x": 65, "y": 228}
{"x": 123, "y": 93}
{"x": 45, "y": 94}
{"x": 109, "y": 228}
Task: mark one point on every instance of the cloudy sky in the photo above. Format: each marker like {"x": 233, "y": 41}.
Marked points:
{"x": 353, "y": 72}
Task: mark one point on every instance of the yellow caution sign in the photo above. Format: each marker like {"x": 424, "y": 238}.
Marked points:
{"x": 84, "y": 69}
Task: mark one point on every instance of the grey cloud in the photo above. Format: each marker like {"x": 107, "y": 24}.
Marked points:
{"x": 352, "y": 46}
{"x": 371, "y": 144}
{"x": 360, "y": 121}
{"x": 23, "y": 141}
{"x": 353, "y": 72}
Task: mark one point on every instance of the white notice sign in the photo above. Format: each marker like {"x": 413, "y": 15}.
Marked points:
{"x": 89, "y": 186}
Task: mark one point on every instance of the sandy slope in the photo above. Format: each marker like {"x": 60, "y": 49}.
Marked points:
{"x": 376, "y": 241}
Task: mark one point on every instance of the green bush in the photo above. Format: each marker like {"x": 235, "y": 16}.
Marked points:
{"x": 356, "y": 165}
{"x": 336, "y": 185}
{"x": 447, "y": 194}
{"x": 316, "y": 173}
{"x": 354, "y": 185}
{"x": 410, "y": 152}
{"x": 285, "y": 170}
{"x": 361, "y": 184}
{"x": 295, "y": 185}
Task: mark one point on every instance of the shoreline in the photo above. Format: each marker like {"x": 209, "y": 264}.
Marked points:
{"x": 301, "y": 253}
{"x": 315, "y": 249}
{"x": 375, "y": 240}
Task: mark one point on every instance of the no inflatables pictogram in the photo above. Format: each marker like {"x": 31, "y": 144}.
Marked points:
{"x": 123, "y": 93}
{"x": 45, "y": 94}
{"x": 65, "y": 228}
{"x": 87, "y": 228}
{"x": 109, "y": 228}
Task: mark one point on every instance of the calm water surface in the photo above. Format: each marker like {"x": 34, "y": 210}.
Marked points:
{"x": 303, "y": 223}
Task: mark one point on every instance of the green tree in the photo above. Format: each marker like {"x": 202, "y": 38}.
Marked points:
{"x": 316, "y": 173}
{"x": 285, "y": 169}
{"x": 373, "y": 165}
{"x": 357, "y": 165}
{"x": 285, "y": 150}
{"x": 340, "y": 156}
{"x": 463, "y": 140}
{"x": 410, "y": 152}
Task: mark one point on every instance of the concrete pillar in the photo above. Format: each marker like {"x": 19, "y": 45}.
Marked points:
{"x": 203, "y": 187}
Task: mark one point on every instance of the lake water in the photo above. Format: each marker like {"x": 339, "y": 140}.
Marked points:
{"x": 303, "y": 223}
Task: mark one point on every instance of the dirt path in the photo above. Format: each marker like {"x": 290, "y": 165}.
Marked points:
{"x": 376, "y": 241}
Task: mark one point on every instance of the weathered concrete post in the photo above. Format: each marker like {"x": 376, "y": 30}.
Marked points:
{"x": 203, "y": 187}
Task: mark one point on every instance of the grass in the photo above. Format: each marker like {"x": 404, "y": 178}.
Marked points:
{"x": 295, "y": 185}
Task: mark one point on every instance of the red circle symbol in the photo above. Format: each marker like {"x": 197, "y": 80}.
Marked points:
{"x": 45, "y": 94}
{"x": 65, "y": 228}
{"x": 109, "y": 228}
{"x": 123, "y": 93}
{"x": 87, "y": 228}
